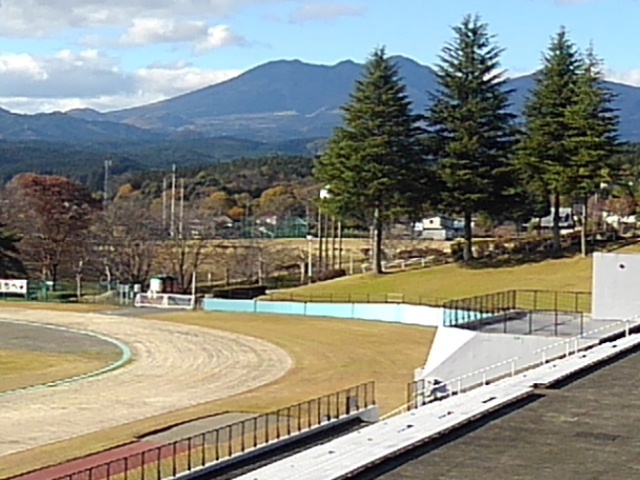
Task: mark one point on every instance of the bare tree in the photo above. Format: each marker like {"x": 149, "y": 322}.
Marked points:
{"x": 127, "y": 240}
{"x": 185, "y": 254}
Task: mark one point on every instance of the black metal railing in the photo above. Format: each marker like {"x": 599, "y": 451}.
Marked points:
{"x": 355, "y": 298}
{"x": 557, "y": 309}
{"x": 182, "y": 456}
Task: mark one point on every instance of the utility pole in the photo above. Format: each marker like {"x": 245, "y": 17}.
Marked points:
{"x": 164, "y": 205}
{"x": 105, "y": 200}
{"x": 173, "y": 201}
{"x": 320, "y": 248}
{"x": 181, "y": 207}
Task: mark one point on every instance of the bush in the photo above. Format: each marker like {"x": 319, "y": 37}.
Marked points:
{"x": 246, "y": 292}
{"x": 331, "y": 274}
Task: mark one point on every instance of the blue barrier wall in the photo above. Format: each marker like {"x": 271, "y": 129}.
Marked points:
{"x": 385, "y": 312}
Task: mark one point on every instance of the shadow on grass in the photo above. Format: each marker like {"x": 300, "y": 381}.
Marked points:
{"x": 515, "y": 260}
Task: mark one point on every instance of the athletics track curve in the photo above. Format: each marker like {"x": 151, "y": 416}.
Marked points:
{"x": 174, "y": 366}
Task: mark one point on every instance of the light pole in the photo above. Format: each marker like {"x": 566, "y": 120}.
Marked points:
{"x": 323, "y": 260}
{"x": 310, "y": 258}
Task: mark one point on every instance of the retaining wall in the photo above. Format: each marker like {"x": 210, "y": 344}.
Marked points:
{"x": 386, "y": 312}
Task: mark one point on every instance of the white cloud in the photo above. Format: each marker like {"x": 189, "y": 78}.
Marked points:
{"x": 323, "y": 12}
{"x": 171, "y": 81}
{"x": 628, "y": 77}
{"x": 218, "y": 37}
{"x": 33, "y": 84}
{"x": 145, "y": 31}
{"x": 33, "y": 18}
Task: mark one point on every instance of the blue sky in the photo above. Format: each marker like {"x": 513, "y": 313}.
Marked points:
{"x": 107, "y": 54}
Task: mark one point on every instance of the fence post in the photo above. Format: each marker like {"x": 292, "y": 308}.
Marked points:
{"x": 204, "y": 450}
{"x": 581, "y": 324}
{"x": 159, "y": 466}
{"x": 484, "y": 378}
{"x": 626, "y": 327}
{"x": 126, "y": 468}
{"x": 266, "y": 428}
{"x": 242, "y": 432}
{"x": 555, "y": 309}
{"x": 143, "y": 464}
{"x": 255, "y": 431}
{"x": 217, "y": 431}
{"x": 278, "y": 424}
{"x": 189, "y": 453}
{"x": 459, "y": 386}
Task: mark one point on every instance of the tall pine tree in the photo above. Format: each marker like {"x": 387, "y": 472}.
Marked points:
{"x": 593, "y": 135}
{"x": 546, "y": 150}
{"x": 469, "y": 126}
{"x": 373, "y": 164}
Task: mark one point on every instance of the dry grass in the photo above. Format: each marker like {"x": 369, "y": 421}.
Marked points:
{"x": 458, "y": 281}
{"x": 58, "y": 307}
{"x": 20, "y": 369}
{"x": 329, "y": 355}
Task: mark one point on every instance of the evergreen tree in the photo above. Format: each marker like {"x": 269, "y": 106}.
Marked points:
{"x": 547, "y": 152}
{"x": 11, "y": 265}
{"x": 469, "y": 126}
{"x": 373, "y": 164}
{"x": 593, "y": 135}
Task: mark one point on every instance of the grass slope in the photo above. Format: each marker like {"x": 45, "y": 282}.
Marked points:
{"x": 456, "y": 281}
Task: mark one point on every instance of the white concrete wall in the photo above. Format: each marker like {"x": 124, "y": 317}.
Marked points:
{"x": 457, "y": 352}
{"x": 616, "y": 286}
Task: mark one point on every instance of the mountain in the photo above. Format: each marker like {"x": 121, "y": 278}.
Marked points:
{"x": 275, "y": 102}
{"x": 279, "y": 100}
{"x": 291, "y": 99}
{"x": 63, "y": 127}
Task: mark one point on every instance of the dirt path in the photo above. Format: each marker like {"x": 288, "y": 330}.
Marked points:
{"x": 175, "y": 366}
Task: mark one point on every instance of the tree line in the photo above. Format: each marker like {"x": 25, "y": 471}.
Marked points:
{"x": 468, "y": 153}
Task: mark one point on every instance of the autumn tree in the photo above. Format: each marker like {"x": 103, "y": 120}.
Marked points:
{"x": 218, "y": 203}
{"x": 373, "y": 163}
{"x": 52, "y": 214}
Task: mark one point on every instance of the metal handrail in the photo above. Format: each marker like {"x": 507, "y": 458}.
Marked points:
{"x": 513, "y": 361}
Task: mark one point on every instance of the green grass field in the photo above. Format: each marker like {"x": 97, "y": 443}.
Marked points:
{"x": 458, "y": 281}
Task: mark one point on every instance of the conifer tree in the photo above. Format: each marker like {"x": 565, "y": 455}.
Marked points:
{"x": 470, "y": 127}
{"x": 373, "y": 164}
{"x": 592, "y": 136}
{"x": 547, "y": 151}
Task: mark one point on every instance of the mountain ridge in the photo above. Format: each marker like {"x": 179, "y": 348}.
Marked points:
{"x": 273, "y": 102}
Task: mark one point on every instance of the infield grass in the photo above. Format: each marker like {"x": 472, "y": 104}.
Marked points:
{"x": 20, "y": 369}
